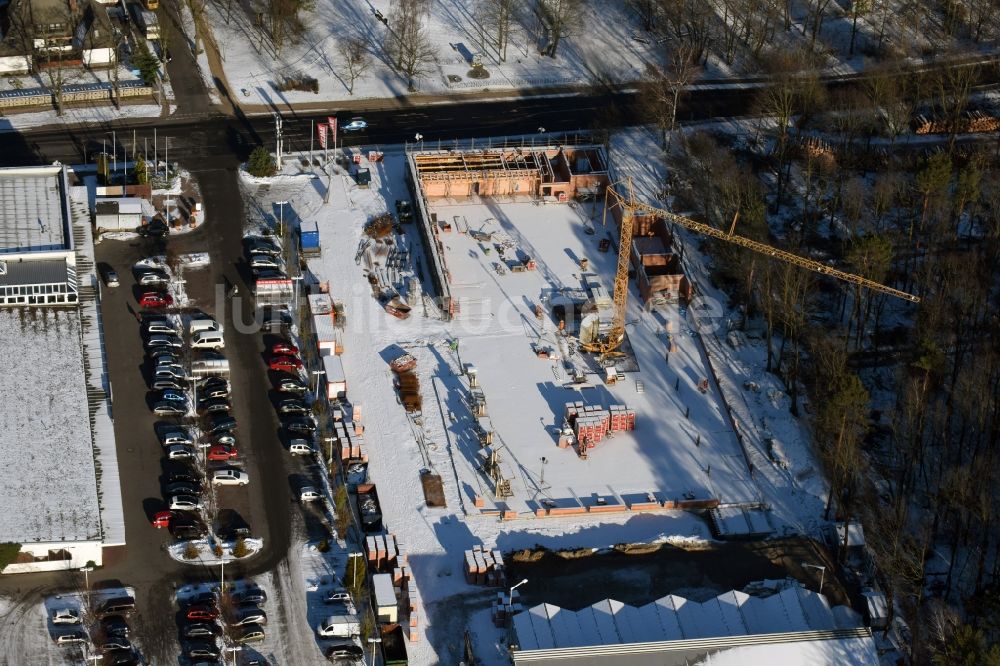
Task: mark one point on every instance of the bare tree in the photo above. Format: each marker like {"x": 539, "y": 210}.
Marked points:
{"x": 197, "y": 13}
{"x": 559, "y": 18}
{"x": 664, "y": 86}
{"x": 496, "y": 16}
{"x": 52, "y": 30}
{"x": 691, "y": 23}
{"x": 407, "y": 43}
{"x": 792, "y": 92}
{"x": 858, "y": 9}
{"x": 356, "y": 58}
{"x": 817, "y": 12}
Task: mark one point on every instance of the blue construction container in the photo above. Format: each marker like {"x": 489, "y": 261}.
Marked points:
{"x": 309, "y": 233}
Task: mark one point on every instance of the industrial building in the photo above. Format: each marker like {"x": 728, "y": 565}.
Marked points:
{"x": 61, "y": 511}
{"x": 781, "y": 623}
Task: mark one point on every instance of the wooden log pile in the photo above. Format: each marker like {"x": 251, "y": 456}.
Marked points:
{"x": 409, "y": 391}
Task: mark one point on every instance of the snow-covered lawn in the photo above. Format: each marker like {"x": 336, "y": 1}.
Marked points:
{"x": 602, "y": 51}
{"x": 495, "y": 329}
{"x": 206, "y": 554}
{"x": 608, "y": 43}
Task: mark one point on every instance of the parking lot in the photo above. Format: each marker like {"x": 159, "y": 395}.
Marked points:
{"x": 266, "y": 501}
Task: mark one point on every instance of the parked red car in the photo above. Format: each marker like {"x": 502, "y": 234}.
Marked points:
{"x": 284, "y": 349}
{"x": 201, "y": 612}
{"x": 162, "y": 519}
{"x": 284, "y": 363}
{"x": 154, "y": 299}
{"x": 222, "y": 452}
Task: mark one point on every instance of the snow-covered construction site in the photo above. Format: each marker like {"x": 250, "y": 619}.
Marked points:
{"x": 463, "y": 304}
{"x": 538, "y": 425}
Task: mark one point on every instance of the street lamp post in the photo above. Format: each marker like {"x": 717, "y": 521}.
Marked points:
{"x": 373, "y": 641}
{"x": 822, "y": 574}
{"x": 511, "y": 595}
{"x": 354, "y": 578}
{"x": 86, "y": 581}
{"x": 281, "y": 217}
{"x": 419, "y": 137}
{"x": 329, "y": 444}
{"x": 296, "y": 279}
{"x": 317, "y": 374}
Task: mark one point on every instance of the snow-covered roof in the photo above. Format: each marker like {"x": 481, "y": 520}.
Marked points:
{"x": 48, "y": 482}
{"x": 34, "y": 214}
{"x": 384, "y": 595}
{"x": 675, "y": 618}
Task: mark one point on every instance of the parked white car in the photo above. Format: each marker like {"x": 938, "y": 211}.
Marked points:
{"x": 230, "y": 477}
{"x": 300, "y": 447}
{"x": 308, "y": 494}
{"x": 65, "y": 616}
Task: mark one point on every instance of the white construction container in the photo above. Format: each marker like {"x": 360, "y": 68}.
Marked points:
{"x": 336, "y": 380}
{"x": 327, "y": 335}
{"x": 386, "y": 609}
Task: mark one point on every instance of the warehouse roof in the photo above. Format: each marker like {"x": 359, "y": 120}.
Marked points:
{"x": 48, "y": 482}
{"x": 35, "y": 212}
{"x": 673, "y": 618}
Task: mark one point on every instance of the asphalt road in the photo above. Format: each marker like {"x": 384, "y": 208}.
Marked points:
{"x": 207, "y": 141}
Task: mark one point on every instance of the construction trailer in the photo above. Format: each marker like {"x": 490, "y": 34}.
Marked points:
{"x": 118, "y": 214}
{"x": 386, "y": 608}
{"x": 336, "y": 380}
{"x": 309, "y": 239}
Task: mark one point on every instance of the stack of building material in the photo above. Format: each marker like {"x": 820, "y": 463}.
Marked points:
{"x": 411, "y": 606}
{"x": 505, "y": 607}
{"x": 351, "y": 441}
{"x": 622, "y": 418}
{"x": 484, "y": 567}
{"x": 409, "y": 391}
{"x": 383, "y": 553}
{"x": 591, "y": 425}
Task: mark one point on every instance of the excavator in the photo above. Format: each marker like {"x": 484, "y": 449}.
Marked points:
{"x": 607, "y": 344}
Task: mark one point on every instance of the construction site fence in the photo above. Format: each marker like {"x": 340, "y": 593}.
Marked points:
{"x": 544, "y": 140}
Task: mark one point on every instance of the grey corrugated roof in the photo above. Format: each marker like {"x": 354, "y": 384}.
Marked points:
{"x": 49, "y": 271}
{"x": 730, "y": 614}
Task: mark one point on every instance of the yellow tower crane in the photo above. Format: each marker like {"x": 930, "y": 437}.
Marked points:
{"x": 629, "y": 207}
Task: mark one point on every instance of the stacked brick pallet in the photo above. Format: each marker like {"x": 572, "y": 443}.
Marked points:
{"x": 411, "y": 607}
{"x": 622, "y": 418}
{"x": 591, "y": 423}
{"x": 484, "y": 567}
{"x": 383, "y": 553}
{"x": 350, "y": 437}
{"x": 505, "y": 607}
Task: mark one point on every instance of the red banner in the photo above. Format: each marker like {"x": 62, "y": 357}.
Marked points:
{"x": 332, "y": 121}
{"x": 321, "y": 131}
